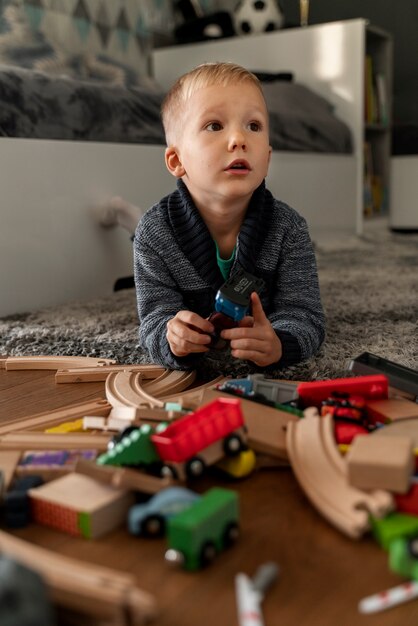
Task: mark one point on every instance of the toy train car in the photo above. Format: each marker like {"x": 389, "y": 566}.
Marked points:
{"x": 203, "y": 530}
{"x": 184, "y": 447}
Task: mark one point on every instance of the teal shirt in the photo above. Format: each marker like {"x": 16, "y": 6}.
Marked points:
{"x": 225, "y": 264}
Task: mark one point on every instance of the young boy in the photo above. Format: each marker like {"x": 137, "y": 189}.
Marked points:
{"x": 221, "y": 219}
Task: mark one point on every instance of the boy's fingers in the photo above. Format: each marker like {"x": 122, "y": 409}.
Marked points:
{"x": 246, "y": 322}
{"x": 257, "y": 309}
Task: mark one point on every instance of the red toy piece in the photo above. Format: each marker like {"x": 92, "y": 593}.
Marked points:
{"x": 369, "y": 387}
{"x": 408, "y": 502}
{"x": 346, "y": 431}
{"x": 198, "y": 430}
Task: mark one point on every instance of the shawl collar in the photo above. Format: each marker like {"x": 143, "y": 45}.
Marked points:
{"x": 196, "y": 242}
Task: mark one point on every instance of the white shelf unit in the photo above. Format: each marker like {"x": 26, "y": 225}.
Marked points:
{"x": 329, "y": 59}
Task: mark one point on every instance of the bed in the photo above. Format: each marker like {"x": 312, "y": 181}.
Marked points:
{"x": 52, "y": 250}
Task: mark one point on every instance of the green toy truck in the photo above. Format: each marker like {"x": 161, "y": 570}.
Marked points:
{"x": 209, "y": 526}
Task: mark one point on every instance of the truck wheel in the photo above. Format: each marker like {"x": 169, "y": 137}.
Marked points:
{"x": 153, "y": 526}
{"x": 195, "y": 467}
{"x": 232, "y": 445}
{"x": 167, "y": 471}
{"x": 413, "y": 547}
{"x": 231, "y": 534}
{"x": 207, "y": 553}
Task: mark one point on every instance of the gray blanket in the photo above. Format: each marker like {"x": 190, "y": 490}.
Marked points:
{"x": 36, "y": 105}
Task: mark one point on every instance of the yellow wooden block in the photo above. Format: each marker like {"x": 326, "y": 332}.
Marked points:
{"x": 67, "y": 427}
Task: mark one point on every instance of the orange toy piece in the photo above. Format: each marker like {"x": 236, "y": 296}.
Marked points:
{"x": 381, "y": 463}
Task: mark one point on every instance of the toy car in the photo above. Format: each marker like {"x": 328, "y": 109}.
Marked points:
{"x": 232, "y": 303}
{"x": 149, "y": 519}
{"x": 233, "y": 298}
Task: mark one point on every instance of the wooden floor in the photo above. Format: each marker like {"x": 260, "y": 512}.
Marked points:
{"x": 323, "y": 574}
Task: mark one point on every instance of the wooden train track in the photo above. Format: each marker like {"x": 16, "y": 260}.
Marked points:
{"x": 98, "y": 406}
{"x": 33, "y": 440}
{"x": 100, "y": 373}
{"x": 127, "y": 389}
{"x": 322, "y": 474}
{"x": 51, "y": 362}
{"x": 98, "y": 592}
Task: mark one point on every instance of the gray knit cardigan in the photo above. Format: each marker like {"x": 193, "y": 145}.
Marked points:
{"x": 175, "y": 268}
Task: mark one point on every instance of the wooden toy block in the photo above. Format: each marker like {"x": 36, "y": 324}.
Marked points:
{"x": 98, "y": 592}
{"x": 381, "y": 463}
{"x": 391, "y": 410}
{"x": 98, "y": 406}
{"x": 8, "y": 464}
{"x": 94, "y": 422}
{"x": 404, "y": 428}
{"x": 32, "y": 440}
{"x": 80, "y": 505}
{"x": 53, "y": 362}
{"x": 100, "y": 373}
{"x": 322, "y": 473}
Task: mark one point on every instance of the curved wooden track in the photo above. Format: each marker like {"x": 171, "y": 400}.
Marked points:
{"x": 321, "y": 472}
{"x": 127, "y": 388}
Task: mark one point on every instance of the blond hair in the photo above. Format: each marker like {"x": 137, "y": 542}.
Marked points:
{"x": 205, "y": 75}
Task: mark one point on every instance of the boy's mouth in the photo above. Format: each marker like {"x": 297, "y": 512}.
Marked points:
{"x": 239, "y": 165}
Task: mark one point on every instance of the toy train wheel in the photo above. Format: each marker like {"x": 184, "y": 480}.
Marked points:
{"x": 166, "y": 471}
{"x": 413, "y": 547}
{"x": 232, "y": 445}
{"x": 195, "y": 467}
{"x": 207, "y": 553}
{"x": 153, "y": 526}
{"x": 231, "y": 534}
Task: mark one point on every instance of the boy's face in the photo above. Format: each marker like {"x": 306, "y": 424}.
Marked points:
{"x": 222, "y": 149}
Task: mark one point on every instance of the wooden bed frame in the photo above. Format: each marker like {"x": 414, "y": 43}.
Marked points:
{"x": 52, "y": 250}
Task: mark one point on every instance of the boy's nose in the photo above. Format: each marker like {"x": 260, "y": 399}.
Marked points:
{"x": 237, "y": 140}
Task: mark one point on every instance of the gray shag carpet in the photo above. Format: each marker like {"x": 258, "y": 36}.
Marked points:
{"x": 369, "y": 292}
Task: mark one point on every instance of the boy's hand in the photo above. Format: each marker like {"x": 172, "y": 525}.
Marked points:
{"x": 255, "y": 339}
{"x": 187, "y": 332}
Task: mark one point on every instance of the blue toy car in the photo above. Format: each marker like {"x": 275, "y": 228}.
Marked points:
{"x": 149, "y": 519}
{"x": 233, "y": 298}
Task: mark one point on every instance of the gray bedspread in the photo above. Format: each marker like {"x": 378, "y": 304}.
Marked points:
{"x": 37, "y": 105}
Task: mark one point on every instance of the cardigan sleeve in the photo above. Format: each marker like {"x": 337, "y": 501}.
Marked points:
{"x": 158, "y": 300}
{"x": 297, "y": 315}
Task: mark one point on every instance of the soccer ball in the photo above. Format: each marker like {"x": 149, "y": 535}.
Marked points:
{"x": 257, "y": 16}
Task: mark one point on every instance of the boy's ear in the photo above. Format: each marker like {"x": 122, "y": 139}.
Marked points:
{"x": 173, "y": 163}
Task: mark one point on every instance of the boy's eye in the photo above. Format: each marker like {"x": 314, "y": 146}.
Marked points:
{"x": 214, "y": 126}
{"x": 254, "y": 126}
